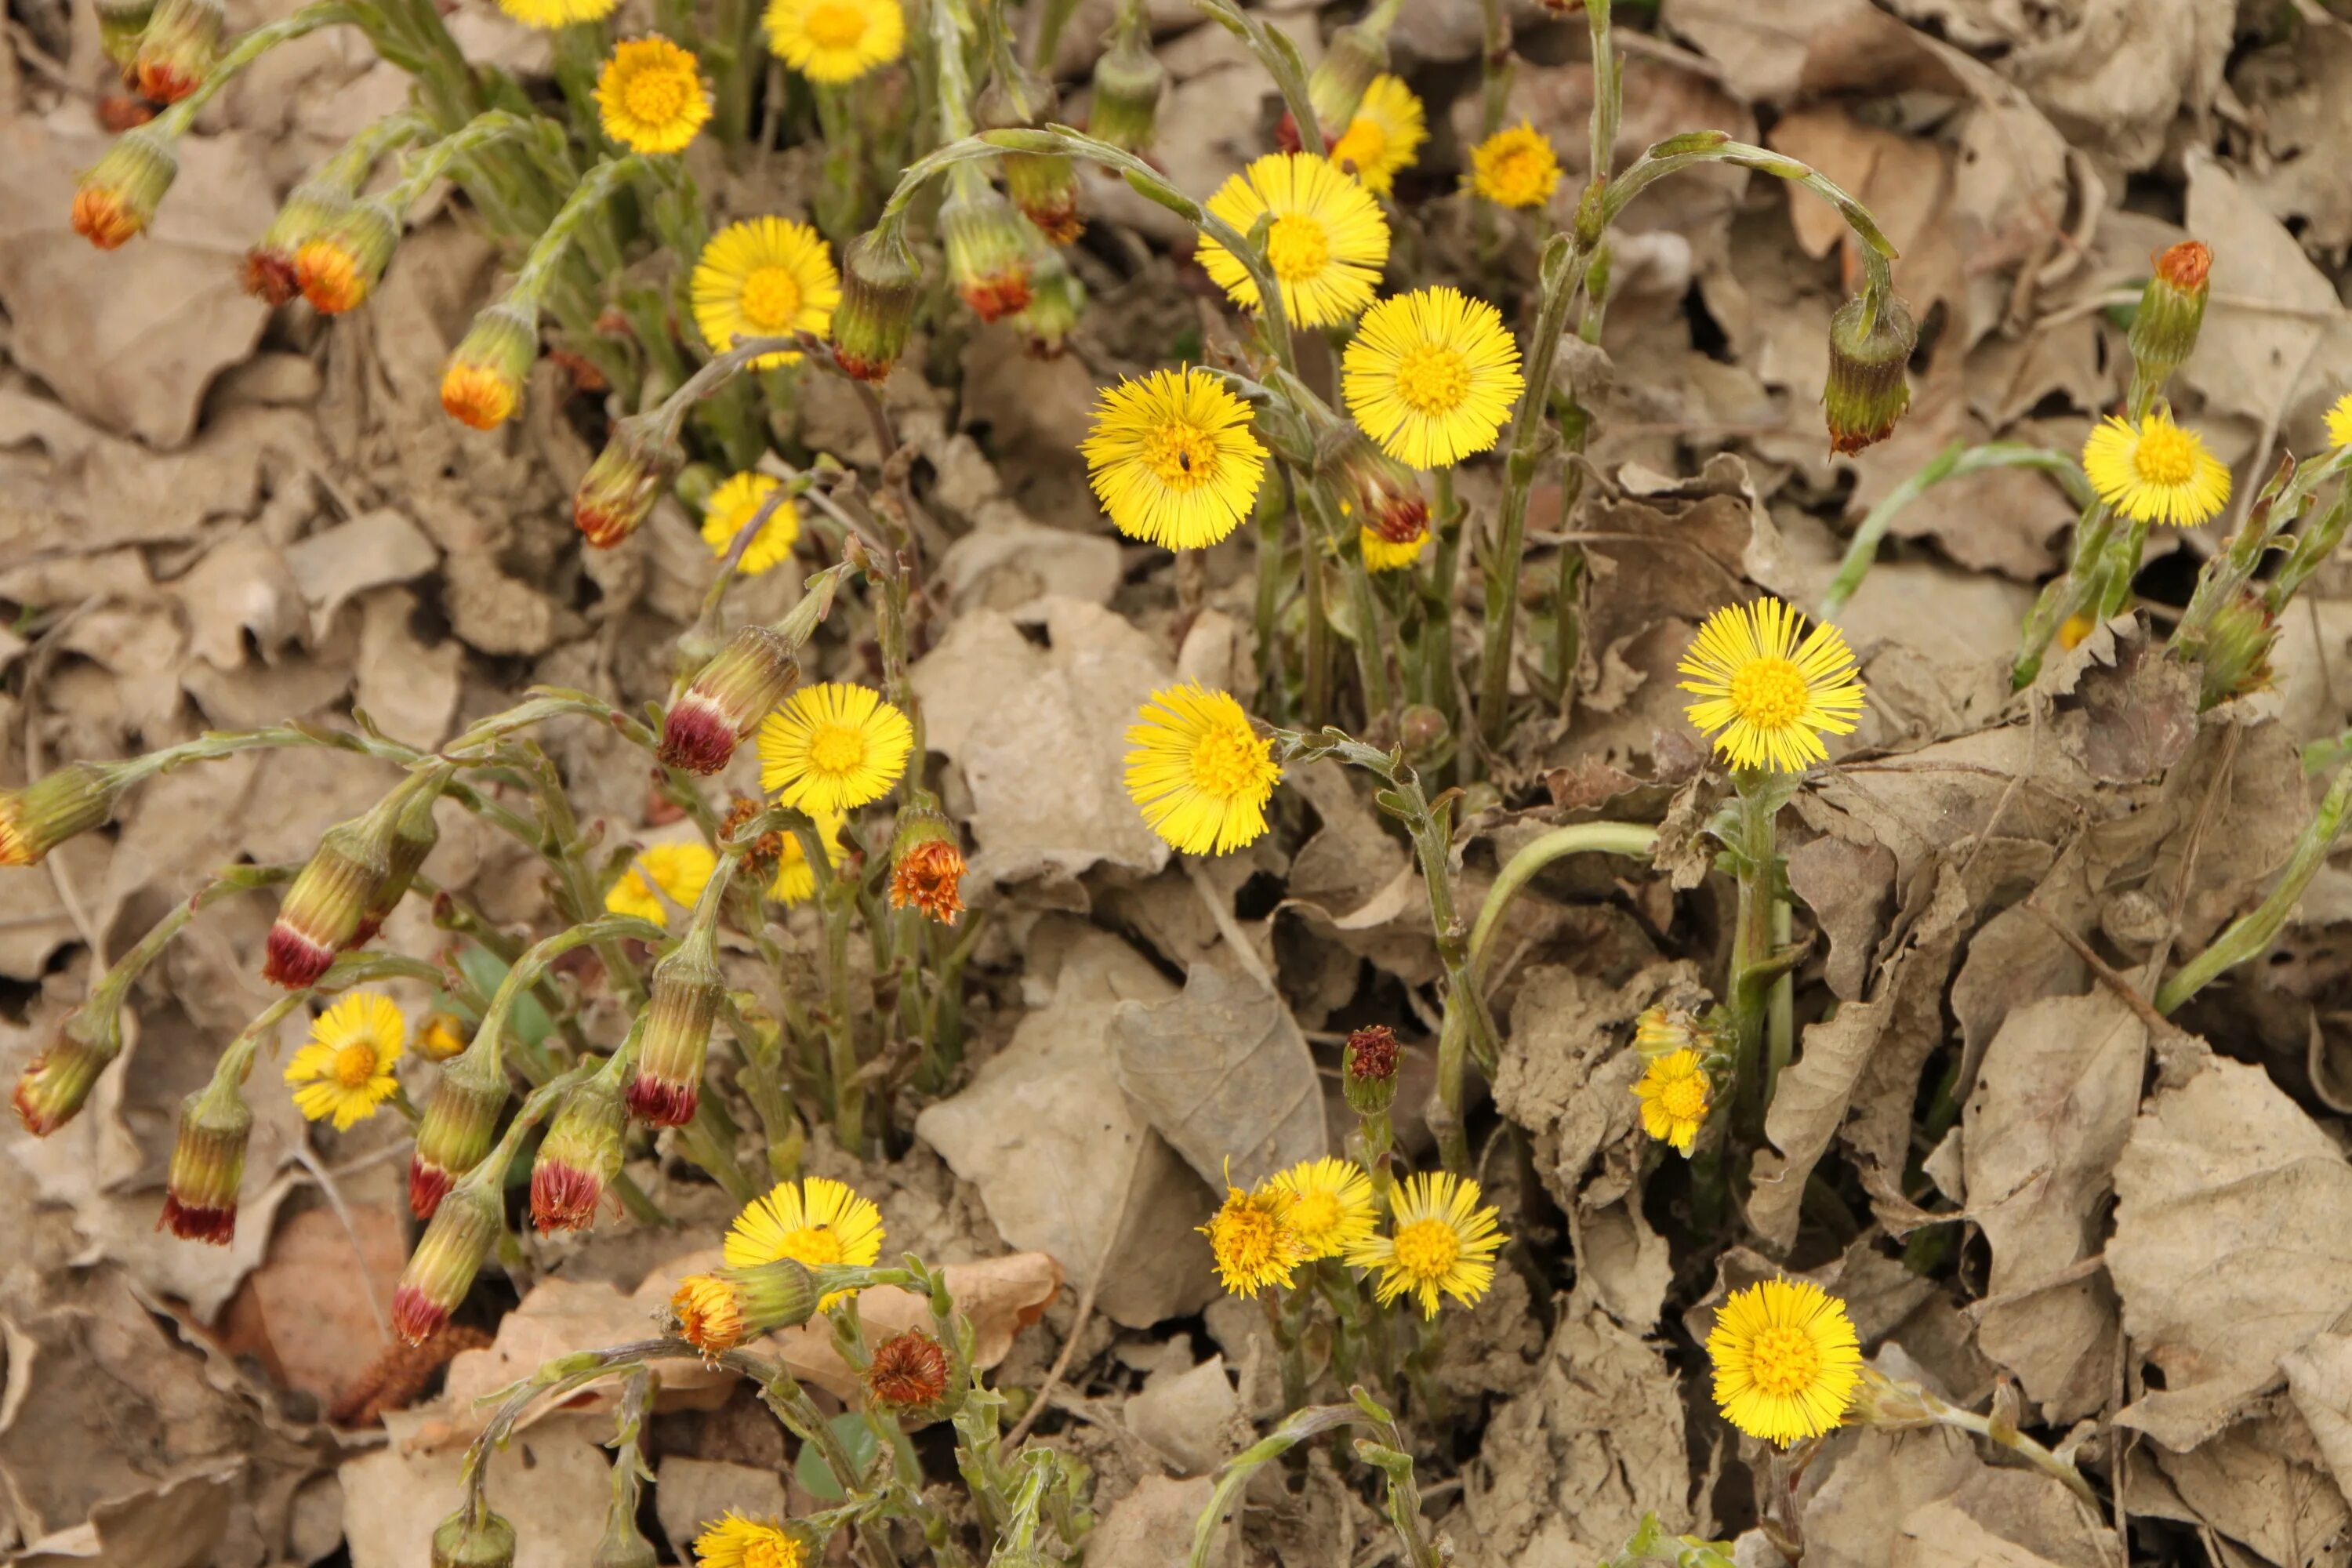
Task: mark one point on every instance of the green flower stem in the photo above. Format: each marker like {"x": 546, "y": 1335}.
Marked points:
{"x": 1755, "y": 963}
{"x": 2120, "y": 568}
{"x": 1955, "y": 462}
{"x": 2066, "y": 597}
{"x": 1628, "y": 838}
{"x": 1494, "y": 67}
{"x": 734, "y": 44}
{"x": 1371, "y": 640}
{"x": 175, "y": 120}
{"x": 490, "y": 1034}
{"x": 1301, "y": 1425}
{"x": 587, "y": 198}
{"x": 951, "y": 29}
{"x": 1273, "y": 528}
{"x": 1436, "y": 650}
{"x": 1281, "y": 59}
{"x": 558, "y": 1377}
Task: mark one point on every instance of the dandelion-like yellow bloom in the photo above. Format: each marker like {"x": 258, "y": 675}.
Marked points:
{"x": 1252, "y": 1241}
{"x": 1515, "y": 168}
{"x": 678, "y": 871}
{"x": 650, "y": 97}
{"x": 1765, "y": 697}
{"x": 345, "y": 1071}
{"x": 558, "y": 13}
{"x": 814, "y": 1222}
{"x": 1381, "y": 141}
{"x": 1441, "y": 1242}
{"x": 795, "y": 879}
{"x": 733, "y": 504}
{"x": 1432, "y": 376}
{"x": 833, "y": 747}
{"x": 764, "y": 278}
{"x": 731, "y": 1540}
{"x": 1675, "y": 1093}
{"x": 2155, "y": 471}
{"x": 1382, "y": 553}
{"x": 1326, "y": 246}
{"x": 1786, "y": 1361}
{"x": 1173, "y": 458}
{"x": 834, "y": 41}
{"x": 2339, "y": 422}
{"x": 1200, "y": 773}
{"x": 1328, "y": 1204}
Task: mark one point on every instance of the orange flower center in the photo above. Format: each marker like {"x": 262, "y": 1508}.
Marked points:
{"x": 1770, "y": 693}
{"x": 355, "y": 1064}
{"x": 1227, "y": 763}
{"x": 1684, "y": 1099}
{"x": 1298, "y": 247}
{"x": 1782, "y": 1361}
{"x": 656, "y": 96}
{"x": 1427, "y": 1249}
{"x": 771, "y": 298}
{"x": 835, "y": 26}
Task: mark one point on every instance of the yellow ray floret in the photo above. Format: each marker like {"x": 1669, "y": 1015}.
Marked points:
{"x": 795, "y": 879}
{"x": 733, "y": 505}
{"x": 1785, "y": 1360}
{"x": 2155, "y": 471}
{"x": 345, "y": 1071}
{"x": 1432, "y": 376}
{"x": 1328, "y": 1204}
{"x": 1515, "y": 168}
{"x": 833, "y": 747}
{"x": 1326, "y": 245}
{"x": 2339, "y": 421}
{"x": 1382, "y": 140}
{"x": 650, "y": 97}
{"x": 1441, "y": 1242}
{"x": 678, "y": 871}
{"x": 733, "y": 1540}
{"x": 1173, "y": 458}
{"x": 1382, "y": 553}
{"x": 1199, "y": 770}
{"x": 764, "y": 278}
{"x": 1770, "y": 690}
{"x": 814, "y": 1222}
{"x": 1674, "y": 1093}
{"x": 835, "y": 41}
{"x": 1252, "y": 1242}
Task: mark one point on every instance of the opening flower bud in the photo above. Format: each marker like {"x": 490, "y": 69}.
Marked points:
{"x": 442, "y": 1268}
{"x": 178, "y": 48}
{"x": 268, "y": 272}
{"x": 1368, "y": 1075}
{"x": 462, "y": 1540}
{"x": 915, "y": 1378}
{"x": 207, "y": 1165}
{"x": 1129, "y": 81}
{"x": 2233, "y": 655}
{"x": 987, "y": 251}
{"x": 118, "y": 198}
{"x": 55, "y": 1084}
{"x": 60, "y": 804}
{"x": 482, "y": 383}
{"x": 726, "y": 700}
{"x": 579, "y": 1157}
{"x": 442, "y": 1036}
{"x": 1383, "y": 496}
{"x": 2172, "y": 309}
{"x": 321, "y": 911}
{"x": 340, "y": 265}
{"x": 879, "y": 285}
{"x": 1865, "y": 392}
{"x": 760, "y": 861}
{"x": 715, "y": 1312}
{"x": 1661, "y": 1031}
{"x": 687, "y": 990}
{"x": 622, "y": 1546}
{"x": 927, "y": 867}
{"x": 619, "y": 488}
{"x": 1056, "y": 298}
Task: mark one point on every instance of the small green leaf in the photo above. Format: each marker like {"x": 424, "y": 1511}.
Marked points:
{"x": 856, "y": 1439}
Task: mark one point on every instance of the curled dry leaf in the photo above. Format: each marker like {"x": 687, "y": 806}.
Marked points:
{"x": 1224, "y": 1074}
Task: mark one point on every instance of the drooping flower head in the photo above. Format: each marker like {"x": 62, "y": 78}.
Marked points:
{"x": 814, "y": 1222}
{"x": 835, "y": 41}
{"x": 1382, "y": 553}
{"x": 1173, "y": 458}
{"x": 715, "y": 1312}
{"x": 764, "y": 278}
{"x": 208, "y": 1164}
{"x": 677, "y": 870}
{"x": 650, "y": 95}
{"x": 345, "y": 1071}
{"x": 2155, "y": 471}
{"x": 579, "y": 1157}
{"x": 1381, "y": 141}
{"x": 339, "y": 266}
{"x": 1515, "y": 168}
{"x": 1675, "y": 1092}
{"x": 1328, "y": 1206}
{"x": 733, "y": 504}
{"x": 833, "y": 747}
{"x": 1326, "y": 246}
{"x": 482, "y": 383}
{"x": 1768, "y": 689}
{"x": 1785, "y": 1360}
{"x": 63, "y": 803}
{"x": 1441, "y": 1242}
{"x": 734, "y": 1542}
{"x": 726, "y": 700}
{"x": 1432, "y": 376}
{"x": 464, "y": 1226}
{"x": 117, "y": 199}
{"x": 1252, "y": 1242}
{"x": 1199, "y": 770}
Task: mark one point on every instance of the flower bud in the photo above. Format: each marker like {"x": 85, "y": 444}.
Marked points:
{"x": 1043, "y": 185}
{"x": 2172, "y": 309}
{"x": 55, "y": 1084}
{"x": 622, "y": 1546}
{"x": 117, "y": 197}
{"x": 687, "y": 990}
{"x": 207, "y": 1165}
{"x": 1057, "y": 300}
{"x": 340, "y": 265}
{"x": 482, "y": 383}
{"x": 1382, "y": 494}
{"x": 414, "y": 833}
{"x": 321, "y": 911}
{"x": 178, "y": 48}
{"x": 987, "y": 251}
{"x": 464, "y": 1541}
{"x": 459, "y": 1121}
{"x": 1423, "y": 730}
{"x": 1879, "y": 1400}
{"x": 1661, "y": 1031}
{"x": 442, "y": 1036}
{"x": 441, "y": 1270}
{"x": 579, "y": 1157}
{"x": 1129, "y": 81}
{"x": 927, "y": 867}
{"x": 119, "y": 24}
{"x": 727, "y": 698}
{"x": 62, "y": 803}
{"x": 916, "y": 1378}
{"x": 715, "y": 1312}
{"x": 1334, "y": 88}
{"x": 268, "y": 272}
{"x": 1866, "y": 393}
{"x": 2233, "y": 655}
{"x": 879, "y": 285}
{"x": 618, "y": 491}
{"x": 1368, "y": 1076}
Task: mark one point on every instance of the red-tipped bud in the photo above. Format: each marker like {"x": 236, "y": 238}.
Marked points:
{"x": 339, "y": 266}
{"x": 715, "y": 1312}
{"x": 726, "y": 700}
{"x": 118, "y": 198}
{"x": 177, "y": 49}
{"x": 268, "y": 273}
{"x": 414, "y": 833}
{"x": 460, "y": 1121}
{"x": 618, "y": 491}
{"x": 926, "y": 865}
{"x": 1370, "y": 1073}
{"x": 55, "y": 1084}
{"x": 1384, "y": 497}
{"x": 879, "y": 286}
{"x": 482, "y": 383}
{"x": 987, "y": 251}
{"x": 916, "y": 1378}
{"x": 1866, "y": 393}
{"x": 62, "y": 803}
{"x": 2172, "y": 309}
{"x": 1057, "y": 300}
{"x": 207, "y": 1165}
{"x": 578, "y": 1158}
{"x": 323, "y": 911}
{"x": 687, "y": 990}
{"x": 441, "y": 1270}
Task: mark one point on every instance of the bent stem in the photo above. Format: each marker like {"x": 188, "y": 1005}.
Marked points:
{"x": 1629, "y": 839}
{"x": 1955, "y": 462}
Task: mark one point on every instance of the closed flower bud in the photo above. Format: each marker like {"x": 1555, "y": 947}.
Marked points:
{"x": 622, "y": 1546}
{"x": 579, "y": 1157}
{"x": 178, "y": 48}
{"x": 55, "y": 1084}
{"x": 687, "y": 991}
{"x": 119, "y": 24}
{"x": 727, "y": 698}
{"x": 1882, "y": 1401}
{"x": 60, "y": 804}
{"x": 482, "y": 383}
{"x": 442, "y": 1268}
{"x": 916, "y": 1378}
{"x": 2172, "y": 309}
{"x": 1056, "y": 298}
{"x": 879, "y": 286}
{"x": 927, "y": 867}
{"x": 1866, "y": 393}
{"x": 619, "y": 488}
{"x": 1044, "y": 185}
{"x": 1129, "y": 81}
{"x": 1368, "y": 1076}
{"x": 987, "y": 252}
{"x": 1423, "y": 730}
{"x": 340, "y": 265}
{"x": 414, "y": 833}
{"x": 321, "y": 911}
{"x": 1334, "y": 88}
{"x": 717, "y": 1311}
{"x": 464, "y": 1541}
{"x": 2233, "y": 655}
{"x": 268, "y": 273}
{"x": 118, "y": 198}
{"x": 1381, "y": 493}
{"x": 207, "y": 1165}
{"x": 459, "y": 1121}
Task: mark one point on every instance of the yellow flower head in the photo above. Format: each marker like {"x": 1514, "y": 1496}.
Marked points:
{"x": 677, "y": 870}
{"x": 733, "y": 504}
{"x": 1382, "y": 553}
{"x": 345, "y": 1071}
{"x": 2155, "y": 471}
{"x": 795, "y": 879}
{"x": 2339, "y": 422}
{"x": 731, "y": 1540}
{"x": 1326, "y": 246}
{"x": 1515, "y": 168}
{"x": 442, "y": 1036}
{"x": 835, "y": 41}
{"x": 1252, "y": 1241}
{"x": 1328, "y": 1204}
{"x": 1173, "y": 458}
{"x": 1432, "y": 376}
{"x": 1442, "y": 1242}
{"x": 832, "y": 747}
{"x": 812, "y": 1222}
{"x": 764, "y": 278}
{"x": 1382, "y": 140}
{"x": 1786, "y": 1361}
{"x": 558, "y": 13}
{"x": 1200, "y": 773}
{"x": 1766, "y": 697}
{"x": 650, "y": 97}
{"x": 1675, "y": 1093}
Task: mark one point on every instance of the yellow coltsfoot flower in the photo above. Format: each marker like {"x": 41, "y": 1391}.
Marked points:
{"x": 1785, "y": 1360}
{"x": 733, "y": 504}
{"x": 1387, "y": 131}
{"x": 677, "y": 870}
{"x": 812, "y": 1222}
{"x": 1443, "y": 1243}
{"x": 345, "y": 1071}
{"x": 2155, "y": 471}
{"x": 1432, "y": 376}
{"x": 2339, "y": 422}
{"x": 1328, "y": 1204}
{"x": 1326, "y": 245}
{"x": 1199, "y": 770}
{"x": 1252, "y": 1241}
{"x": 734, "y": 1542}
{"x": 833, "y": 747}
{"x": 764, "y": 278}
{"x": 835, "y": 41}
{"x": 1515, "y": 168}
{"x": 1675, "y": 1092}
{"x": 650, "y": 95}
{"x": 1173, "y": 458}
{"x": 1770, "y": 690}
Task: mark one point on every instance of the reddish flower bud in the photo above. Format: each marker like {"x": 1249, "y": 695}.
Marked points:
{"x": 207, "y": 1165}
{"x": 460, "y": 1121}
{"x": 1370, "y": 1079}
{"x": 925, "y": 867}
{"x": 618, "y": 491}
{"x": 178, "y": 48}
{"x": 879, "y": 286}
{"x": 442, "y": 1268}
{"x": 987, "y": 251}
{"x": 55, "y": 1084}
{"x": 726, "y": 700}
{"x": 915, "y": 1378}
{"x": 1866, "y": 393}
{"x": 2172, "y": 309}
{"x": 321, "y": 912}
{"x": 578, "y": 1158}
{"x": 687, "y": 990}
